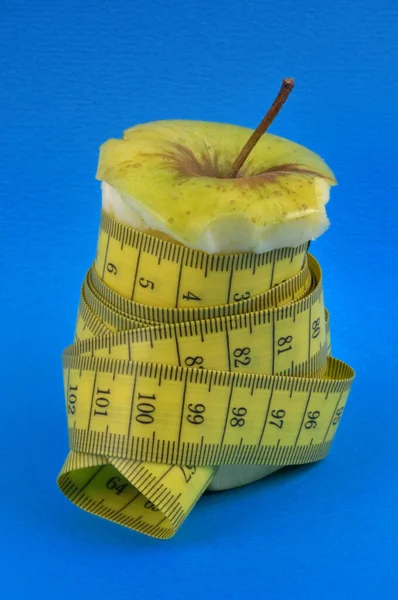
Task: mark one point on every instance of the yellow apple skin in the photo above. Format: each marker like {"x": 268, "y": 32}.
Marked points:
{"x": 174, "y": 176}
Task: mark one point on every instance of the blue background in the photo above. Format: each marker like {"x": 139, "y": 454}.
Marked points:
{"x": 75, "y": 73}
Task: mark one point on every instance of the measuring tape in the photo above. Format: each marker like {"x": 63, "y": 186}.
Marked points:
{"x": 184, "y": 361}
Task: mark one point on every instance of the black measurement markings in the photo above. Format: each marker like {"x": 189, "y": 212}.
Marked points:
{"x": 272, "y": 270}
{"x": 132, "y": 406}
{"x": 273, "y": 343}
{"x": 153, "y": 444}
{"x": 154, "y": 483}
{"x": 309, "y": 330}
{"x": 228, "y": 348}
{"x": 122, "y": 508}
{"x": 106, "y": 256}
{"x": 304, "y": 415}
{"x": 177, "y": 349}
{"x": 266, "y": 415}
{"x": 136, "y": 269}
{"x": 156, "y": 250}
{"x": 161, "y": 496}
{"x": 88, "y": 482}
{"x": 92, "y": 401}
{"x": 105, "y": 441}
{"x": 333, "y": 416}
{"x": 184, "y": 393}
{"x": 230, "y": 283}
{"x": 231, "y": 391}
{"x": 67, "y": 392}
{"x": 179, "y": 284}
{"x": 250, "y": 327}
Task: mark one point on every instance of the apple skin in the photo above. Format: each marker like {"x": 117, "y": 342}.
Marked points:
{"x": 174, "y": 176}
{"x": 232, "y": 476}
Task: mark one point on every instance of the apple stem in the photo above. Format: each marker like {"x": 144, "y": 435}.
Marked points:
{"x": 286, "y": 88}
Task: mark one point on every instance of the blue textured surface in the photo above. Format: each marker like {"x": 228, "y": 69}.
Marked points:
{"x": 75, "y": 73}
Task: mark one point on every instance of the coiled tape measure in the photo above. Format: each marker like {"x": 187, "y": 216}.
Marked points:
{"x": 184, "y": 361}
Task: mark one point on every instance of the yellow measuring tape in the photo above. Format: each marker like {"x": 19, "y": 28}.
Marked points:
{"x": 185, "y": 361}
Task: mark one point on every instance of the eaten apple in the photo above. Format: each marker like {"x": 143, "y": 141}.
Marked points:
{"x": 173, "y": 179}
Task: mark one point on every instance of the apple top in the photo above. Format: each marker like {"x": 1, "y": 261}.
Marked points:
{"x": 176, "y": 174}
